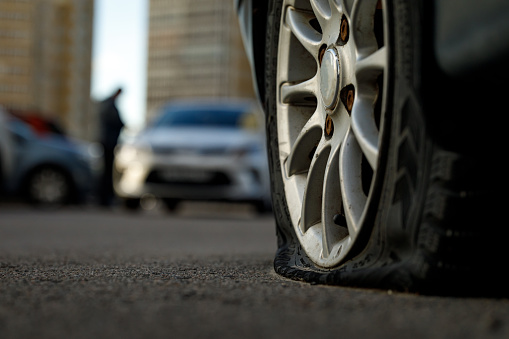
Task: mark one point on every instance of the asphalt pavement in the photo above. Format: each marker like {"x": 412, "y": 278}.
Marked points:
{"x": 202, "y": 272}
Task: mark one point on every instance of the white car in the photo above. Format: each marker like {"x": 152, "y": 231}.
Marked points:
{"x": 197, "y": 150}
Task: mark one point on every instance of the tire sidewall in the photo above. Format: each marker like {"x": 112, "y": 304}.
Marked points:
{"x": 284, "y": 229}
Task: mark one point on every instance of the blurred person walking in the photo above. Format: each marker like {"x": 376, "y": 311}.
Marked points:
{"x": 110, "y": 127}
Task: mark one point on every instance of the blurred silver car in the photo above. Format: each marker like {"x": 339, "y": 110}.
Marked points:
{"x": 197, "y": 150}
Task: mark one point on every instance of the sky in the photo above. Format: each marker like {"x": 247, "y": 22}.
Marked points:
{"x": 119, "y": 54}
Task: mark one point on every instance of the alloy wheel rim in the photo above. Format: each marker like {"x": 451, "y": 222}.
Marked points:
{"x": 331, "y": 74}
{"x": 49, "y": 186}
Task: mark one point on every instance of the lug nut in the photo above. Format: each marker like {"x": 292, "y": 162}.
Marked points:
{"x": 349, "y": 100}
{"x": 347, "y": 96}
{"x": 344, "y": 30}
{"x": 329, "y": 126}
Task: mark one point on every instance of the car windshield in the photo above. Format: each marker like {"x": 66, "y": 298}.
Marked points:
{"x": 201, "y": 118}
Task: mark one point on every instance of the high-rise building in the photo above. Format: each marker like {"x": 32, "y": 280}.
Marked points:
{"x": 194, "y": 50}
{"x": 45, "y": 60}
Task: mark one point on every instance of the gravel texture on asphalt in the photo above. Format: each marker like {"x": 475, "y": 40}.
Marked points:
{"x": 59, "y": 280}
{"x": 218, "y": 298}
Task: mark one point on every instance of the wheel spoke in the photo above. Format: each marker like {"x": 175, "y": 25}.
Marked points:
{"x": 322, "y": 11}
{"x": 367, "y": 70}
{"x": 332, "y": 233}
{"x": 312, "y": 202}
{"x": 300, "y": 25}
{"x": 303, "y": 150}
{"x": 363, "y": 33}
{"x": 370, "y": 67}
{"x": 354, "y": 199}
{"x": 365, "y": 130}
{"x": 302, "y": 93}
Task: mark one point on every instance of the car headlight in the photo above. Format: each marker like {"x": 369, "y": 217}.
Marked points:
{"x": 246, "y": 150}
{"x": 133, "y": 153}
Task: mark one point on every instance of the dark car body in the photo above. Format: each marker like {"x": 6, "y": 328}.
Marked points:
{"x": 468, "y": 39}
{"x": 422, "y": 85}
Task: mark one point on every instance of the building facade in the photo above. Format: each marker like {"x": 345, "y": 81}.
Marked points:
{"x": 45, "y": 60}
{"x": 194, "y": 50}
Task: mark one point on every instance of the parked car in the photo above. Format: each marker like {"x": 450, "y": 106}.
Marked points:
{"x": 197, "y": 150}
{"x": 49, "y": 168}
{"x": 383, "y": 125}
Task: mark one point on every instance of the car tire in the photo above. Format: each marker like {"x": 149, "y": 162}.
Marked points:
{"x": 171, "y": 204}
{"x": 409, "y": 209}
{"x": 262, "y": 206}
{"x": 49, "y": 186}
{"x": 131, "y": 204}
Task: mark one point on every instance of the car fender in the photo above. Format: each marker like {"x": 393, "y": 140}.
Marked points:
{"x": 471, "y": 37}
{"x": 252, "y": 16}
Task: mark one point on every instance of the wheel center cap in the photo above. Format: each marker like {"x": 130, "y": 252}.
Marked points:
{"x": 329, "y": 78}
